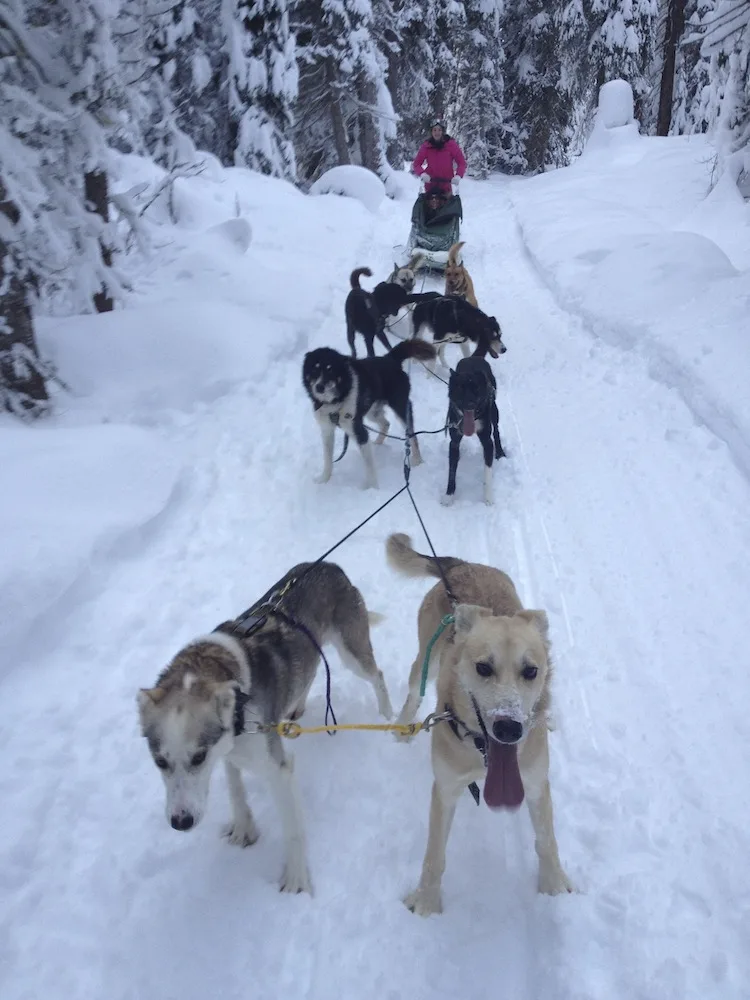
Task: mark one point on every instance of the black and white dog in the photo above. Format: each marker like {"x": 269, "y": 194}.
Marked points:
{"x": 453, "y": 320}
{"x": 472, "y": 407}
{"x": 345, "y": 391}
{"x": 366, "y": 312}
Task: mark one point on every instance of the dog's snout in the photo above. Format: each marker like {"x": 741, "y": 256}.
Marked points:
{"x": 182, "y": 821}
{"x": 503, "y": 348}
{"x": 507, "y": 730}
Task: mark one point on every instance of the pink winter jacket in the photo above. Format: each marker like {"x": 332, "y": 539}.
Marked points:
{"x": 439, "y": 162}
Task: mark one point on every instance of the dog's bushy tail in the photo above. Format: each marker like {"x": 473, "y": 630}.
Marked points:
{"x": 406, "y": 560}
{"x": 416, "y": 260}
{"x": 415, "y": 348}
{"x": 356, "y": 274}
{"x": 453, "y": 253}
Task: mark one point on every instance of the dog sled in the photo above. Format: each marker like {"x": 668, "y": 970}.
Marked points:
{"x": 433, "y": 233}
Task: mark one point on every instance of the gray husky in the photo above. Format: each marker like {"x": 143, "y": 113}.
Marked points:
{"x": 217, "y": 696}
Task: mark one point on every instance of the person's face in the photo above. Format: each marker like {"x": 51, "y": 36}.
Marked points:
{"x": 437, "y": 133}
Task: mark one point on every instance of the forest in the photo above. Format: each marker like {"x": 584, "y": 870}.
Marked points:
{"x": 291, "y": 88}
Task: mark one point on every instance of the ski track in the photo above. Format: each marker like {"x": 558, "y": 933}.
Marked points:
{"x": 138, "y": 911}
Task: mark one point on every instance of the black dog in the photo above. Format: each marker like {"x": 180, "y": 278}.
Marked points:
{"x": 472, "y": 407}
{"x": 344, "y": 391}
{"x": 453, "y": 320}
{"x": 366, "y": 312}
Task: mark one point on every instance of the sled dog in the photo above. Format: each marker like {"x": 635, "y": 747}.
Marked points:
{"x": 347, "y": 391}
{"x": 210, "y": 702}
{"x": 471, "y": 407}
{"x": 493, "y": 684}
{"x": 457, "y": 278}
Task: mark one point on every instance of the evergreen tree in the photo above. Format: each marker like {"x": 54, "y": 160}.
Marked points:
{"x": 726, "y": 46}
{"x": 621, "y": 45}
{"x": 174, "y": 62}
{"x": 344, "y": 112}
{"x": 479, "y": 113}
{"x": 411, "y": 75}
{"x": 447, "y": 43}
{"x": 263, "y": 83}
{"x": 691, "y": 74}
{"x": 539, "y": 110}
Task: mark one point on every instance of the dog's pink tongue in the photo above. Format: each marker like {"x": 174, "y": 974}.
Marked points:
{"x": 503, "y": 788}
{"x": 468, "y": 423}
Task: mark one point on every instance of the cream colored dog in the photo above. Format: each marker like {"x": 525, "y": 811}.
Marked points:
{"x": 493, "y": 681}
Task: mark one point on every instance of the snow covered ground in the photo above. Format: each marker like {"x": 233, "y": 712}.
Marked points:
{"x": 176, "y": 485}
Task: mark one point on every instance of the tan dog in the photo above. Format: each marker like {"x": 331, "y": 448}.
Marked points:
{"x": 457, "y": 278}
{"x": 493, "y": 679}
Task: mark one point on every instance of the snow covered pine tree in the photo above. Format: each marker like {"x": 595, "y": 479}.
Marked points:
{"x": 263, "y": 84}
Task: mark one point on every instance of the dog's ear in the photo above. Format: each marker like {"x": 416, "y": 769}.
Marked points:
{"x": 150, "y": 696}
{"x": 225, "y": 695}
{"x": 538, "y": 619}
{"x": 148, "y": 699}
{"x": 466, "y": 616}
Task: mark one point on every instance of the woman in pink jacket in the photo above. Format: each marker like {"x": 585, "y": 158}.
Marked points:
{"x": 437, "y": 158}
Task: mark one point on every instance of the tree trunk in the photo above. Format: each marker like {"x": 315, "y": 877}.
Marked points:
{"x": 337, "y": 117}
{"x": 19, "y": 376}
{"x": 672, "y": 34}
{"x": 96, "y": 192}
{"x": 368, "y": 134}
{"x": 395, "y": 149}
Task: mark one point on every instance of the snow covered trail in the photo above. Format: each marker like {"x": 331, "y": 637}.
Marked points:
{"x": 614, "y": 512}
{"x": 634, "y": 520}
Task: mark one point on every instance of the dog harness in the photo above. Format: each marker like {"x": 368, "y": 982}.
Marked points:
{"x": 480, "y": 738}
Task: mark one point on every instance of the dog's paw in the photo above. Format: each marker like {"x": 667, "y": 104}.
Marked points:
{"x": 554, "y": 882}
{"x": 296, "y": 879}
{"x": 447, "y": 499}
{"x": 416, "y": 459}
{"x": 242, "y": 834}
{"x": 322, "y": 478}
{"x": 403, "y": 737}
{"x": 489, "y": 500}
{"x": 424, "y": 902}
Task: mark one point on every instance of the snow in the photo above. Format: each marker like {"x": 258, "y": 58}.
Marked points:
{"x": 175, "y": 485}
{"x": 68, "y": 499}
{"x": 615, "y": 107}
{"x": 645, "y": 271}
{"x": 402, "y": 185}
{"x": 615, "y": 130}
{"x": 352, "y": 182}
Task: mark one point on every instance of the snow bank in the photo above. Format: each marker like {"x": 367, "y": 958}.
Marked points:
{"x": 633, "y": 244}
{"x": 352, "y": 182}
{"x": 402, "y": 185}
{"x": 142, "y": 363}
{"x": 226, "y": 290}
{"x": 69, "y": 496}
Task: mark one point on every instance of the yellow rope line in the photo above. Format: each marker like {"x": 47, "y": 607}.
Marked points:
{"x": 291, "y": 730}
